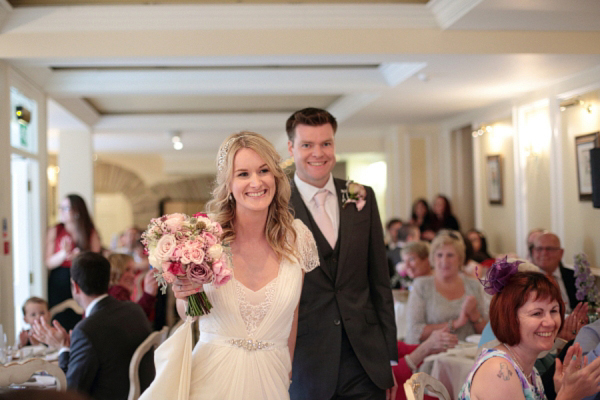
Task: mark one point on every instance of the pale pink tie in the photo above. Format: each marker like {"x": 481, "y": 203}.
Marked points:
{"x": 322, "y": 218}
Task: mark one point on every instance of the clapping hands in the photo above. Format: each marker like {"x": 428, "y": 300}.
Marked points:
{"x": 440, "y": 340}
{"x": 54, "y": 336}
{"x": 574, "y": 322}
{"x": 576, "y": 379}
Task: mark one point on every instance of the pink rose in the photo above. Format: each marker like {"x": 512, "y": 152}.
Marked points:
{"x": 174, "y": 268}
{"x": 192, "y": 253}
{"x": 360, "y": 204}
{"x": 165, "y": 247}
{"x": 175, "y": 221}
{"x": 209, "y": 238}
{"x": 197, "y": 215}
{"x": 217, "y": 267}
{"x": 217, "y": 229}
{"x": 168, "y": 277}
{"x": 177, "y": 253}
{"x": 199, "y": 273}
{"x": 223, "y": 277}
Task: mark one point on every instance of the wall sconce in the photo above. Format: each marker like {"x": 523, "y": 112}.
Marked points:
{"x": 287, "y": 163}
{"x": 52, "y": 172}
{"x": 483, "y": 129}
{"x": 176, "y": 140}
{"x": 576, "y": 102}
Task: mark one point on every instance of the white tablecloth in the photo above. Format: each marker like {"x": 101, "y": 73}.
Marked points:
{"x": 452, "y": 368}
{"x": 400, "y": 299}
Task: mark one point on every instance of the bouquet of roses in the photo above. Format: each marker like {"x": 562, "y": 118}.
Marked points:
{"x": 183, "y": 246}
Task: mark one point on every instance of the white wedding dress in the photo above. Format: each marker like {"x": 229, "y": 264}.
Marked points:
{"x": 242, "y": 353}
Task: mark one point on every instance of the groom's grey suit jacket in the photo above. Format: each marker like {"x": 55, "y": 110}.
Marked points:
{"x": 350, "y": 290}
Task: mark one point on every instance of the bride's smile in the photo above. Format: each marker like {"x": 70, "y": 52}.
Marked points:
{"x": 253, "y": 183}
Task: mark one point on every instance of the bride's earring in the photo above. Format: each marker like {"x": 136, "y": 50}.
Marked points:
{"x": 231, "y": 197}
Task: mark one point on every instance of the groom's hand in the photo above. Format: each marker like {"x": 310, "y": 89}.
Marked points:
{"x": 390, "y": 394}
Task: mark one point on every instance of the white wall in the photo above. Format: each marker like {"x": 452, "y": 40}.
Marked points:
{"x": 582, "y": 221}
{"x": 75, "y": 160}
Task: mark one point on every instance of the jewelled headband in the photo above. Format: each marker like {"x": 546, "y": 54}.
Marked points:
{"x": 223, "y": 153}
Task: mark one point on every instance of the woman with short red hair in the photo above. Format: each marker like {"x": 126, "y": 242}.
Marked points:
{"x": 526, "y": 314}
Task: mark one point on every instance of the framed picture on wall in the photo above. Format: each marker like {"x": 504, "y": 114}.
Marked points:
{"x": 494, "y": 179}
{"x": 583, "y": 145}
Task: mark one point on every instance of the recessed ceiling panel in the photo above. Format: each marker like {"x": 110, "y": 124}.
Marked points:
{"x": 205, "y": 104}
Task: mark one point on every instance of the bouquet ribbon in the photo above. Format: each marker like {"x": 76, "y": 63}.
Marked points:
{"x": 173, "y": 361}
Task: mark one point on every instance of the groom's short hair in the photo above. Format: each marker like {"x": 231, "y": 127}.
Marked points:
{"x": 91, "y": 271}
{"x": 309, "y": 116}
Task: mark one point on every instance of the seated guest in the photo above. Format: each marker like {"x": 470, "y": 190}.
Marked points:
{"x": 392, "y": 227}
{"x": 416, "y": 259}
{"x": 408, "y": 233}
{"x": 423, "y": 218}
{"x": 447, "y": 298}
{"x": 443, "y": 217}
{"x": 547, "y": 255}
{"x": 479, "y": 244}
{"x": 526, "y": 314}
{"x": 411, "y": 356}
{"x": 122, "y": 283}
{"x": 96, "y": 356}
{"x": 33, "y": 308}
{"x": 531, "y": 236}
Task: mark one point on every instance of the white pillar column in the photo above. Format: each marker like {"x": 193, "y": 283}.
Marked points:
{"x": 398, "y": 173}
{"x": 75, "y": 160}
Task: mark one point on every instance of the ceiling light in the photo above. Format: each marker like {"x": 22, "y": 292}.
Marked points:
{"x": 178, "y": 145}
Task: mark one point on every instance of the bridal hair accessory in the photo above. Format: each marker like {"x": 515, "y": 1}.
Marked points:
{"x": 182, "y": 246}
{"x": 499, "y": 274}
{"x": 354, "y": 193}
{"x": 223, "y": 153}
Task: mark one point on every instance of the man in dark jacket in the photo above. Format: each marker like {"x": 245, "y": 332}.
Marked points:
{"x": 97, "y": 354}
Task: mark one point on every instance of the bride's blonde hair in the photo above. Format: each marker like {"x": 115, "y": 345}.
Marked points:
{"x": 279, "y": 230}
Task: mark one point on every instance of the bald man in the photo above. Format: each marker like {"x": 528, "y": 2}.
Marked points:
{"x": 547, "y": 255}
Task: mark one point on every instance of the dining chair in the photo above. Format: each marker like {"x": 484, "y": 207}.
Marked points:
{"x": 20, "y": 371}
{"x": 152, "y": 342}
{"x": 69, "y": 303}
{"x": 175, "y": 327}
{"x": 414, "y": 388}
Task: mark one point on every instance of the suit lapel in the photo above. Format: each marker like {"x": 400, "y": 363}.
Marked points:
{"x": 301, "y": 212}
{"x": 344, "y": 234}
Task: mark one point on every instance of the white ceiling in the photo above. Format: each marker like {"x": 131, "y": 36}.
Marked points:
{"x": 133, "y": 73}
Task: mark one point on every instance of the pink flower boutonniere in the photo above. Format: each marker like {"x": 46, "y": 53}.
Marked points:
{"x": 354, "y": 193}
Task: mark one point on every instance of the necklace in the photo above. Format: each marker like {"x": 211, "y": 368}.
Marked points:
{"x": 517, "y": 362}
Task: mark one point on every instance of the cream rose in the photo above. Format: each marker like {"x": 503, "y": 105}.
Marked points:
{"x": 165, "y": 247}
{"x": 215, "y": 251}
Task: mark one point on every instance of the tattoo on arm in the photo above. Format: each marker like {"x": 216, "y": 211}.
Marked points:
{"x": 504, "y": 372}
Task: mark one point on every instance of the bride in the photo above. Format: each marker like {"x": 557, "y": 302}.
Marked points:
{"x": 247, "y": 342}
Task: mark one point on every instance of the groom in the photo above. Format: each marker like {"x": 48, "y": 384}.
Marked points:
{"x": 346, "y": 329}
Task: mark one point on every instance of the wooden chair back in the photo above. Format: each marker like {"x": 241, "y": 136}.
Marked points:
{"x": 20, "y": 371}
{"x": 152, "y": 342}
{"x": 414, "y": 388}
{"x": 69, "y": 303}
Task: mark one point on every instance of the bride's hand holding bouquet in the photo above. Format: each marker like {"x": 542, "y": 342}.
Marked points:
{"x": 187, "y": 253}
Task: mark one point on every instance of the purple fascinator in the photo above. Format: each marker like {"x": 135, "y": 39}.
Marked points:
{"x": 498, "y": 275}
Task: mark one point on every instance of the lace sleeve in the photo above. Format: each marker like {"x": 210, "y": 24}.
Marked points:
{"x": 306, "y": 246}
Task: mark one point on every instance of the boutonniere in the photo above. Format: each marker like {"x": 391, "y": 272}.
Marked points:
{"x": 354, "y": 193}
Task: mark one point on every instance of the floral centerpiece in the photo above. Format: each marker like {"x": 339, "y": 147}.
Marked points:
{"x": 182, "y": 246}
{"x": 585, "y": 282}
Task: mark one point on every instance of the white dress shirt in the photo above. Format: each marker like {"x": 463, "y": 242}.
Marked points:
{"x": 308, "y": 191}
